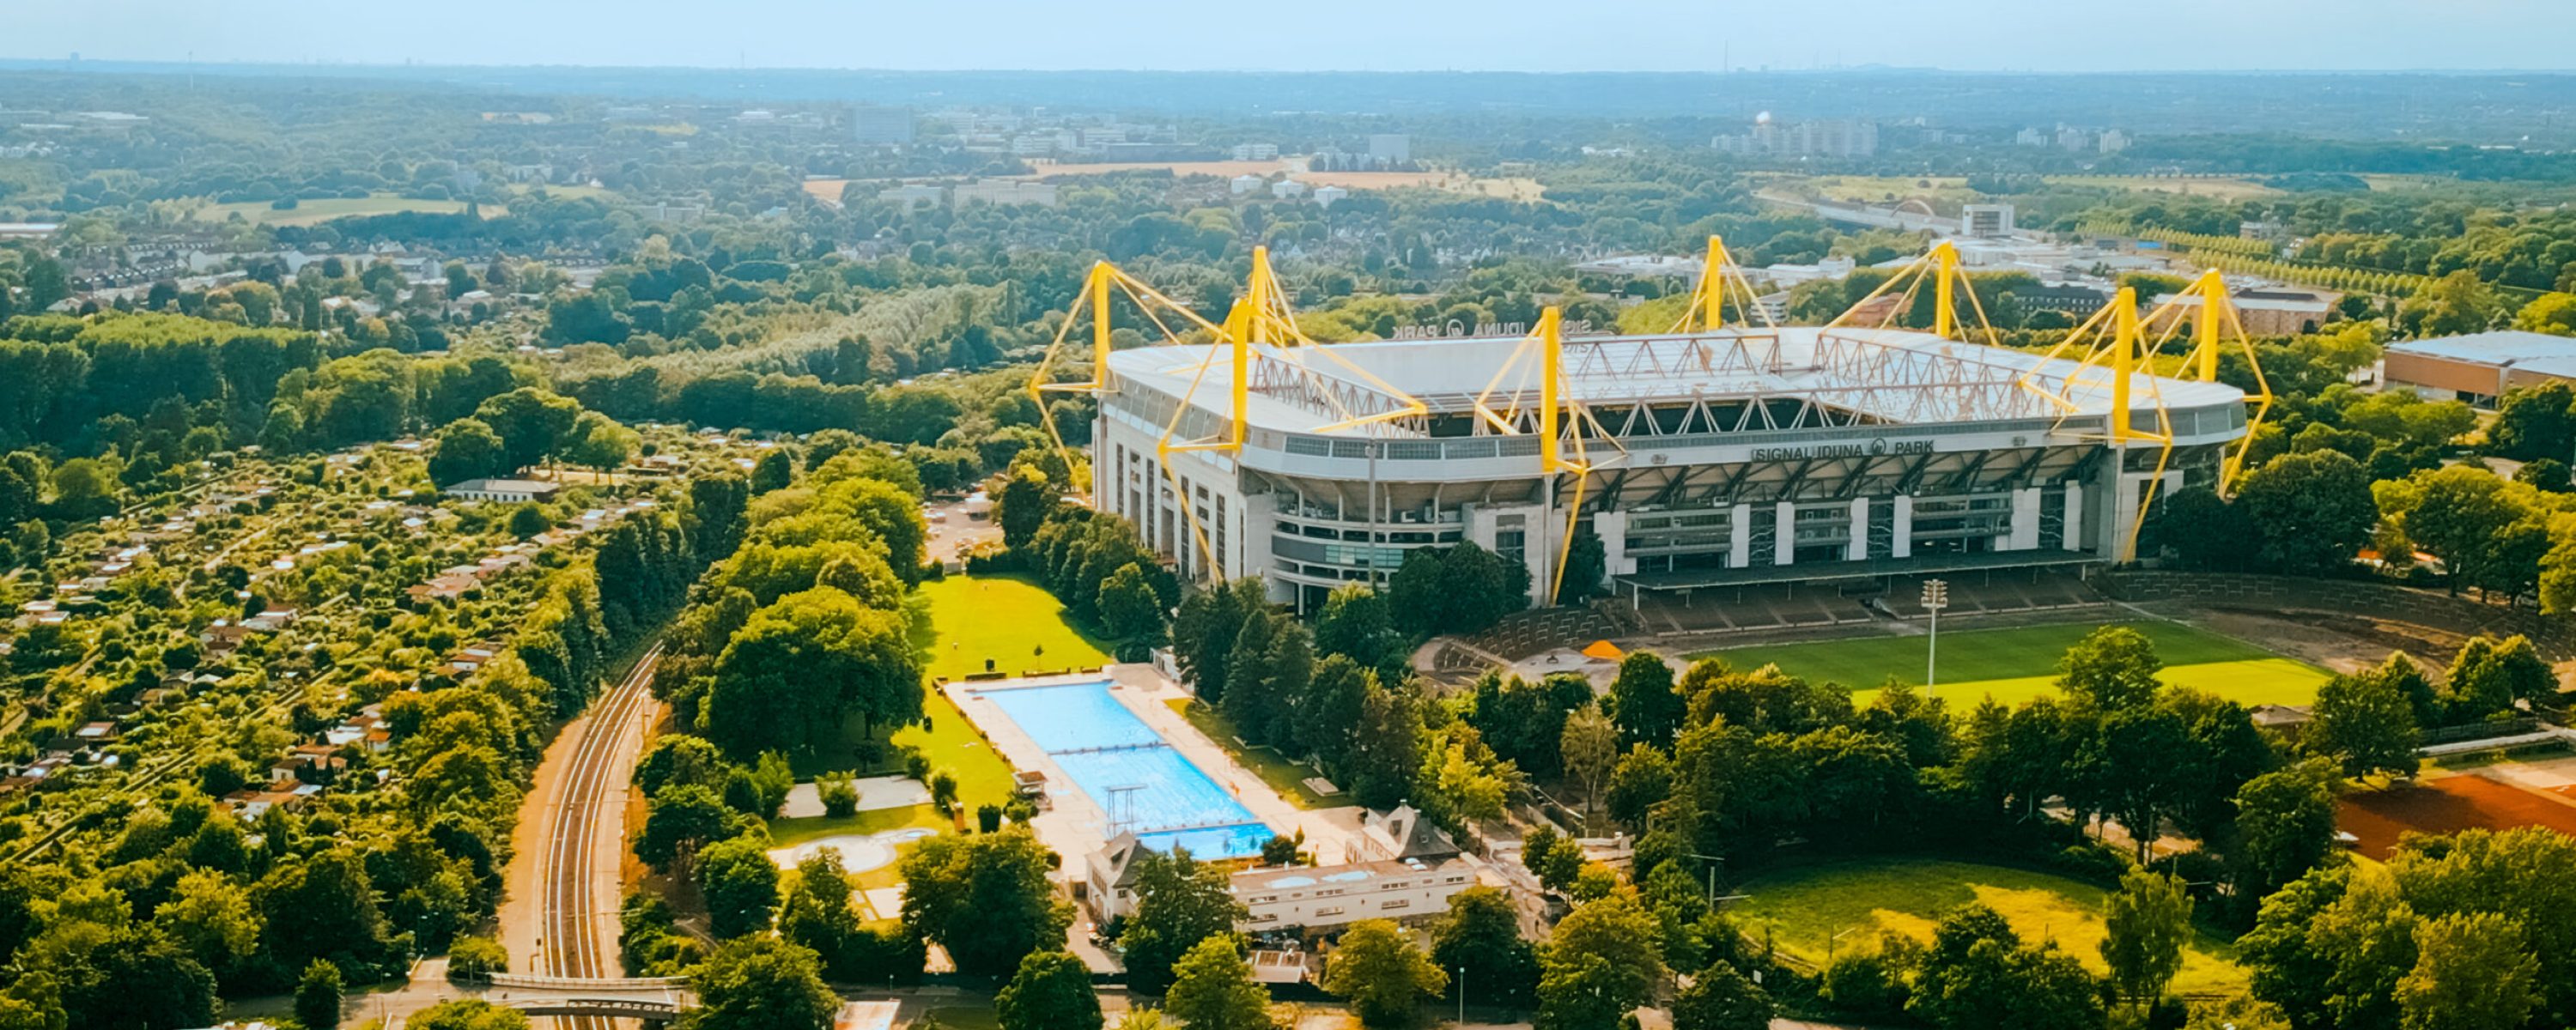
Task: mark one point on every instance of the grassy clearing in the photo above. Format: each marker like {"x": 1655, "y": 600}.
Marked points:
{"x": 1802, "y": 908}
{"x": 1284, "y": 776}
{"x": 2017, "y": 665}
{"x": 2218, "y": 189}
{"x": 1013, "y": 622}
{"x": 1020, "y": 627}
{"x": 316, "y": 212}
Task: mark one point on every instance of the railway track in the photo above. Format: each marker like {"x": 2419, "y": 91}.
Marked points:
{"x": 571, "y": 944}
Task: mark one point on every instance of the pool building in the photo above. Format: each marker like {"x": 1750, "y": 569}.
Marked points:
{"x": 1409, "y": 871}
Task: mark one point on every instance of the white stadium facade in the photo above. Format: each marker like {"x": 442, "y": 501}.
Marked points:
{"x": 1701, "y": 458}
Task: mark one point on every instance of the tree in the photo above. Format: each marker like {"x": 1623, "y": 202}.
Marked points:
{"x": 773, "y": 471}
{"x": 817, "y": 913}
{"x": 2113, "y": 667}
{"x": 677, "y": 820}
{"x": 1643, "y": 702}
{"x": 1461, "y": 588}
{"x": 1213, "y": 989}
{"x": 476, "y": 958}
{"x": 2471, "y": 973}
{"x": 317, "y": 996}
{"x": 2309, "y": 511}
{"x": 740, "y": 884}
{"x": 985, "y": 898}
{"x": 802, "y": 665}
{"x": 1481, "y": 936}
{"x": 2536, "y": 423}
{"x": 599, "y": 442}
{"x": 466, "y": 1015}
{"x": 466, "y": 449}
{"x": 1590, "y": 746}
{"x": 531, "y": 423}
{"x": 2285, "y": 825}
{"x": 1356, "y": 623}
{"x": 761, "y": 983}
{"x": 1383, "y": 974}
{"x": 1129, "y": 608}
{"x": 84, "y": 488}
{"x": 1642, "y": 779}
{"x": 1602, "y": 962}
{"x": 1051, "y": 991}
{"x": 2364, "y": 724}
{"x": 1023, "y": 503}
{"x": 2145, "y": 925}
{"x": 1179, "y": 902}
{"x": 1720, "y": 998}
{"x": 2453, "y": 305}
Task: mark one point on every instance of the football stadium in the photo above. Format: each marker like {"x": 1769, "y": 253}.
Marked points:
{"x": 1717, "y": 454}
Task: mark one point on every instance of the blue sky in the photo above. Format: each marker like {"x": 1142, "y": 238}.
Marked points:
{"x": 1383, "y": 35}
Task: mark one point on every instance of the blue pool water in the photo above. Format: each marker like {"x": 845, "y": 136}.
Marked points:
{"x": 1103, "y": 747}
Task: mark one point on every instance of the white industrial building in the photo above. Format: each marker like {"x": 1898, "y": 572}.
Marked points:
{"x": 1404, "y": 869}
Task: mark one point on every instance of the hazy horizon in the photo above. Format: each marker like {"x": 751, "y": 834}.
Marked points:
{"x": 2032, "y": 36}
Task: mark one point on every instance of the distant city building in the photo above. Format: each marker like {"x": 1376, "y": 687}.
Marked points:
{"x": 1392, "y": 148}
{"x": 1248, "y": 184}
{"x": 1986, "y": 221}
{"x": 913, "y": 195}
{"x": 1287, "y": 189}
{"x": 2114, "y": 141}
{"x": 1256, "y": 151}
{"x": 1002, "y": 192}
{"x": 2030, "y": 137}
{"x": 881, "y": 126}
{"x": 1839, "y": 138}
{"x": 1327, "y": 196}
{"x": 2071, "y": 138}
{"x": 2266, "y": 230}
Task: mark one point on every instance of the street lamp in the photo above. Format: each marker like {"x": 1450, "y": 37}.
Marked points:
{"x": 1462, "y": 995}
{"x": 1936, "y": 596}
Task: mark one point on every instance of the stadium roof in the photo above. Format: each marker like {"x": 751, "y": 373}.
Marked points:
{"x": 1885, "y": 375}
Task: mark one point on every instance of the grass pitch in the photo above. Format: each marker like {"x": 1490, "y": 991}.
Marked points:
{"x": 1800, "y": 909}
{"x": 2017, "y": 665}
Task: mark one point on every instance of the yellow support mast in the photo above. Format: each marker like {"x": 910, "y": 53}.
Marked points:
{"x": 1945, "y": 312}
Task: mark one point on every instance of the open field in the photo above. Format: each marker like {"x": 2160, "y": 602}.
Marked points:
{"x": 1943, "y": 192}
{"x": 2220, "y": 189}
{"x": 316, "y": 212}
{"x": 1527, "y": 191}
{"x": 1803, "y": 908}
{"x": 1220, "y": 169}
{"x": 1284, "y": 776}
{"x": 2016, "y": 665}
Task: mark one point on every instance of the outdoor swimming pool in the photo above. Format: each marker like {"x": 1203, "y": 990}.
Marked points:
{"x": 1105, "y": 749}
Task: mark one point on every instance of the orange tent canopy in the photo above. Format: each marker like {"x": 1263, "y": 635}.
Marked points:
{"x": 1604, "y": 650}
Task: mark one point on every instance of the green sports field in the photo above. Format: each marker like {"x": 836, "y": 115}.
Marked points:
{"x": 2016, "y": 665}
{"x": 1802, "y": 908}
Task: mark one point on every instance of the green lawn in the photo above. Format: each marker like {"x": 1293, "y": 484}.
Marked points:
{"x": 2016, "y": 665}
{"x": 1013, "y": 622}
{"x": 970, "y": 619}
{"x": 1802, "y": 908}
{"x": 1284, "y": 776}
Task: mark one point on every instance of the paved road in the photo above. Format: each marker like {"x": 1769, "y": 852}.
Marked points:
{"x": 585, "y": 842}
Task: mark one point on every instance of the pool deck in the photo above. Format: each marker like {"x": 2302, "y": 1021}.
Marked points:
{"x": 1076, "y": 827}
